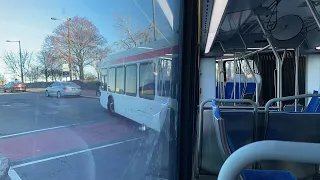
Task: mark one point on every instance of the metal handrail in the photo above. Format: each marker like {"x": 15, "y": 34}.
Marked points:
{"x": 200, "y": 123}
{"x": 288, "y": 98}
{"x": 268, "y": 150}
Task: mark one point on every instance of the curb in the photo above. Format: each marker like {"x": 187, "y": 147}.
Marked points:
{"x": 4, "y": 167}
{"x": 92, "y": 97}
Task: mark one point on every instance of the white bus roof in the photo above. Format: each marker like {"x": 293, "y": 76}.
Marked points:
{"x": 153, "y": 49}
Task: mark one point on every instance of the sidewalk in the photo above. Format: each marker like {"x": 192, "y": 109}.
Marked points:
{"x": 36, "y": 90}
{"x": 84, "y": 93}
{"x": 89, "y": 94}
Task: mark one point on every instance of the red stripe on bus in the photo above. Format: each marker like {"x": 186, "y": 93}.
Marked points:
{"x": 147, "y": 55}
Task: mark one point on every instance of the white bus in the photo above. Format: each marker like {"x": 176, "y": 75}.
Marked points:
{"x": 137, "y": 82}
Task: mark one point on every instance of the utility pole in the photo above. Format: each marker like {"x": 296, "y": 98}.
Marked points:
{"x": 20, "y": 54}
{"x": 69, "y": 56}
{"x": 154, "y": 20}
{"x": 70, "y": 64}
{"x": 21, "y": 70}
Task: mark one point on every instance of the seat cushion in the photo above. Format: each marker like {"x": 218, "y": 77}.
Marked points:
{"x": 267, "y": 175}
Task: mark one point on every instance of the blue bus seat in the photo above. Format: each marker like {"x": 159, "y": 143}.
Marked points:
{"x": 239, "y": 95}
{"x": 313, "y": 105}
{"x": 291, "y": 108}
{"x": 250, "y": 88}
{"x": 246, "y": 174}
{"x": 228, "y": 90}
{"x": 296, "y": 127}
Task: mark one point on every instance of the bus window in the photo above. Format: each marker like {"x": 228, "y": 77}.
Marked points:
{"x": 111, "y": 79}
{"x": 131, "y": 80}
{"x": 104, "y": 73}
{"x": 147, "y": 80}
{"x": 120, "y": 80}
{"x": 164, "y": 78}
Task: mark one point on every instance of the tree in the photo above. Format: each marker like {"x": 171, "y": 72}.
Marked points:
{"x": 32, "y": 73}
{"x": 2, "y": 78}
{"x": 85, "y": 40}
{"x": 130, "y": 39}
{"x": 100, "y": 55}
{"x": 90, "y": 77}
{"x": 46, "y": 62}
{"x": 12, "y": 60}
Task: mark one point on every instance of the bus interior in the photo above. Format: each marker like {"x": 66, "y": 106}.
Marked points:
{"x": 259, "y": 81}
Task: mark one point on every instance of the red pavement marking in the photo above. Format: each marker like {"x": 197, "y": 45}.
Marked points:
{"x": 47, "y": 142}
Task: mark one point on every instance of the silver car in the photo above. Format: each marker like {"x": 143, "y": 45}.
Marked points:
{"x": 60, "y": 89}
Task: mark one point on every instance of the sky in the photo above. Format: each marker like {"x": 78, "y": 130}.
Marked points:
{"x": 29, "y": 20}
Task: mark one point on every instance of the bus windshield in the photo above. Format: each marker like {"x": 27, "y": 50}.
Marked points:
{"x": 86, "y": 88}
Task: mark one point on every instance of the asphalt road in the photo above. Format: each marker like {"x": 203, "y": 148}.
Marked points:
{"x": 74, "y": 138}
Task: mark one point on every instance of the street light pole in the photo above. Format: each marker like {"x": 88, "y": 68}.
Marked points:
{"x": 70, "y": 64}
{"x": 21, "y": 70}
{"x": 69, "y": 50}
{"x": 20, "y": 55}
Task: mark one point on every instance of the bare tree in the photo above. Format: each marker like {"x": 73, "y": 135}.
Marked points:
{"x": 46, "y": 62}
{"x": 13, "y": 62}
{"x": 130, "y": 38}
{"x": 90, "y": 77}
{"x": 32, "y": 73}
{"x": 85, "y": 39}
{"x": 100, "y": 55}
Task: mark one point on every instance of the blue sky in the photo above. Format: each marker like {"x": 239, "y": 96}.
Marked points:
{"x": 29, "y": 20}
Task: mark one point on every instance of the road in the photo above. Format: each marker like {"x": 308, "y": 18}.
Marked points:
{"x": 72, "y": 138}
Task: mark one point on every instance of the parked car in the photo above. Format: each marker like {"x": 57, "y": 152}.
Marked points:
{"x": 14, "y": 86}
{"x": 60, "y": 89}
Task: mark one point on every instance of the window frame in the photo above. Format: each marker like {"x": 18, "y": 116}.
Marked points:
{"x": 154, "y": 80}
{"x": 136, "y": 84}
{"x": 160, "y": 71}
{"x": 123, "y": 80}
{"x": 108, "y": 83}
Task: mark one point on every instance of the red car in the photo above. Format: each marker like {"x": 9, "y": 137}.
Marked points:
{"x": 14, "y": 86}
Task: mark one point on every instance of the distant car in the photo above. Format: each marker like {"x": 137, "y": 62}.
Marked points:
{"x": 14, "y": 86}
{"x": 60, "y": 89}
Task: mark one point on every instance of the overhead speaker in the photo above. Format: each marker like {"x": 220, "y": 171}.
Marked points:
{"x": 287, "y": 27}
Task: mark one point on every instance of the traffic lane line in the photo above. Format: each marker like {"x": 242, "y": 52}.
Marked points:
{"x": 59, "y": 140}
{"x": 44, "y": 129}
{"x": 13, "y": 175}
{"x": 98, "y": 164}
{"x": 74, "y": 153}
{"x": 36, "y": 112}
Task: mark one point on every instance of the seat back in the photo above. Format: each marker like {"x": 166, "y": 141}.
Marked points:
{"x": 250, "y": 88}
{"x": 210, "y": 155}
{"x": 238, "y": 93}
{"x": 224, "y": 143}
{"x": 313, "y": 105}
{"x": 291, "y": 108}
{"x": 296, "y": 127}
{"x": 228, "y": 90}
{"x": 238, "y": 126}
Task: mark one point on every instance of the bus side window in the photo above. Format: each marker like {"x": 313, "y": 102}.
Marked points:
{"x": 111, "y": 79}
{"x": 104, "y": 73}
{"x": 164, "y": 72}
{"x": 147, "y": 80}
{"x": 131, "y": 80}
{"x": 105, "y": 84}
{"x": 120, "y": 80}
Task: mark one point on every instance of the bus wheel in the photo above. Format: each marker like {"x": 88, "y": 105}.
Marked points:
{"x": 111, "y": 106}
